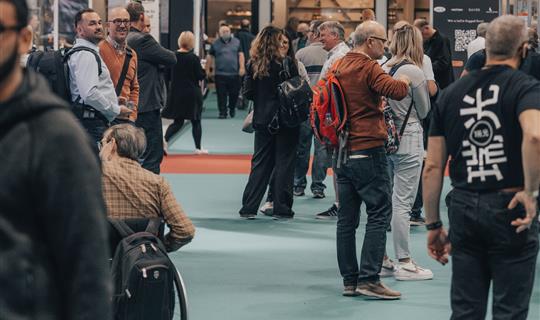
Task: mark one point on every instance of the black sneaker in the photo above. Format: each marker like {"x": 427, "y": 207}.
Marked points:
{"x": 282, "y": 216}
{"x": 222, "y": 116}
{"x": 232, "y": 112}
{"x": 417, "y": 221}
{"x": 298, "y": 191}
{"x": 328, "y": 214}
{"x": 318, "y": 194}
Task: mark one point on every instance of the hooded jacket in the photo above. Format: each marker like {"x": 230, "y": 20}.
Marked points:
{"x": 53, "y": 249}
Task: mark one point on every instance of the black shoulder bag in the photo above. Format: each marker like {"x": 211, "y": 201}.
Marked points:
{"x": 295, "y": 97}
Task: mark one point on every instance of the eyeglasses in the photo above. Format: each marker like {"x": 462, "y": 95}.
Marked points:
{"x": 101, "y": 144}
{"x": 379, "y": 38}
{"x": 120, "y": 22}
{"x": 10, "y": 28}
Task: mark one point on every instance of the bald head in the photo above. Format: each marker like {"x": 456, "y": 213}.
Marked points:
{"x": 117, "y": 12}
{"x": 505, "y": 35}
{"x": 368, "y": 15}
{"x": 303, "y": 27}
{"x": 118, "y": 24}
{"x": 366, "y": 30}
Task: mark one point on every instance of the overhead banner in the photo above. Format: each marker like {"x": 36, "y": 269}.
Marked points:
{"x": 458, "y": 19}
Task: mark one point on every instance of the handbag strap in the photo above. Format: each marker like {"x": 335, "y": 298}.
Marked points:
{"x": 407, "y": 116}
{"x": 392, "y": 72}
{"x": 123, "y": 74}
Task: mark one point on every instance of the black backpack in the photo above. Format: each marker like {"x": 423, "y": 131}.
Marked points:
{"x": 142, "y": 274}
{"x": 295, "y": 96}
{"x": 53, "y": 66}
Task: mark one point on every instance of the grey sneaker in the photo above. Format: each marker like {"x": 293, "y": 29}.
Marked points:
{"x": 267, "y": 209}
{"x": 377, "y": 290}
{"x": 298, "y": 191}
{"x": 318, "y": 194}
{"x": 349, "y": 291}
{"x": 329, "y": 214}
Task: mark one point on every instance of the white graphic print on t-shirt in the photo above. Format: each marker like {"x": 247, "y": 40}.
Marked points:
{"x": 483, "y": 148}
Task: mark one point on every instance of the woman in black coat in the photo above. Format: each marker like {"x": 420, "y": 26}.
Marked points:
{"x": 185, "y": 96}
{"x": 275, "y": 146}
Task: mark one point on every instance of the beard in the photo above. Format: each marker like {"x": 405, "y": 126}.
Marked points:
{"x": 9, "y": 65}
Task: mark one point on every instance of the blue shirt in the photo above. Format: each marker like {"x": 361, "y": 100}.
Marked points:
{"x": 226, "y": 56}
{"x": 95, "y": 91}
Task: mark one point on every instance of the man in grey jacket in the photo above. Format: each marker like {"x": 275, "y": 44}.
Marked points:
{"x": 54, "y": 251}
{"x": 151, "y": 56}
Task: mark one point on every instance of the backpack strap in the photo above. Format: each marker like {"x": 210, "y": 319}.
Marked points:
{"x": 153, "y": 225}
{"x": 123, "y": 74}
{"x": 78, "y": 49}
{"x": 392, "y": 72}
{"x": 123, "y": 229}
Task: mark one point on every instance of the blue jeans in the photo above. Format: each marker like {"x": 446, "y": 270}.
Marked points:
{"x": 487, "y": 252}
{"x": 153, "y": 155}
{"x": 363, "y": 179}
{"x": 320, "y": 160}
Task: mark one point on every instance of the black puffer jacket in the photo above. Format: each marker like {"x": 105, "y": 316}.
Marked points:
{"x": 53, "y": 241}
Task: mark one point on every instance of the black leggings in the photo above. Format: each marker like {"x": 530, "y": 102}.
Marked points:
{"x": 196, "y": 130}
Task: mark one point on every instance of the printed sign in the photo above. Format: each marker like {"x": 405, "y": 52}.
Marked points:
{"x": 458, "y": 19}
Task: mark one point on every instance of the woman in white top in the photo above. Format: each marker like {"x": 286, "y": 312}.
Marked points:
{"x": 406, "y": 164}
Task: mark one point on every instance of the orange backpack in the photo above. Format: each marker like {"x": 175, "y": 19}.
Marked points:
{"x": 328, "y": 114}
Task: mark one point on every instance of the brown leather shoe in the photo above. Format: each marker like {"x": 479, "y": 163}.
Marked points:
{"x": 377, "y": 290}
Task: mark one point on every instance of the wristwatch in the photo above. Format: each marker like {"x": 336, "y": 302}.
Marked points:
{"x": 434, "y": 225}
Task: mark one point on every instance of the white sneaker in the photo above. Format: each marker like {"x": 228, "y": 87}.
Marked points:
{"x": 411, "y": 271}
{"x": 388, "y": 268}
{"x": 201, "y": 151}
{"x": 267, "y": 208}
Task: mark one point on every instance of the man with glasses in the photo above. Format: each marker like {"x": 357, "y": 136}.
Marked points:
{"x": 363, "y": 176}
{"x": 54, "y": 248}
{"x": 121, "y": 61}
{"x": 94, "y": 100}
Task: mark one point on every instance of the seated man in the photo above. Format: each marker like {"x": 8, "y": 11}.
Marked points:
{"x": 131, "y": 191}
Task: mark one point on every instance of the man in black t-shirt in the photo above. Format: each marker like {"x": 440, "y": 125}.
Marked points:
{"x": 488, "y": 123}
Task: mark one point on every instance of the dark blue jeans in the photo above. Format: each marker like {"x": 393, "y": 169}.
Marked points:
{"x": 321, "y": 161}
{"x": 151, "y": 123}
{"x": 227, "y": 89}
{"x": 365, "y": 180}
{"x": 486, "y": 250}
{"x": 95, "y": 128}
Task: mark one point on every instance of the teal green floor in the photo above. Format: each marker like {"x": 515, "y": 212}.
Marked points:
{"x": 265, "y": 269}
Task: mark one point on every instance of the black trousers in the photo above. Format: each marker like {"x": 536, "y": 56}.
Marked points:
{"x": 151, "y": 123}
{"x": 272, "y": 153}
{"x": 196, "y": 130}
{"x": 486, "y": 250}
{"x": 227, "y": 88}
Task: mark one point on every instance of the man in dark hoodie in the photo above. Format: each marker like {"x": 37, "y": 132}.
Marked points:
{"x": 53, "y": 251}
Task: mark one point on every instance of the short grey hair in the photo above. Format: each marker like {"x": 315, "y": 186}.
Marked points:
{"x": 130, "y": 140}
{"x": 504, "y": 36}
{"x": 482, "y": 29}
{"x": 363, "y": 31}
{"x": 334, "y": 27}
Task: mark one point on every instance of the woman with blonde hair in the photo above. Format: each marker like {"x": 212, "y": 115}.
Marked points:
{"x": 406, "y": 164}
{"x": 185, "y": 97}
{"x": 275, "y": 145}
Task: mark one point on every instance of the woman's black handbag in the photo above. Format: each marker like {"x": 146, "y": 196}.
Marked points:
{"x": 295, "y": 97}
